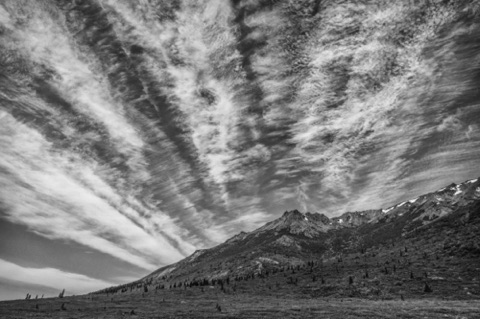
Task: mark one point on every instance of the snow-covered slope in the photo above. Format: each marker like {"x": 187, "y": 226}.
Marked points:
{"x": 431, "y": 206}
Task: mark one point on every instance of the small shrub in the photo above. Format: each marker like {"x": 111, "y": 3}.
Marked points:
{"x": 427, "y": 288}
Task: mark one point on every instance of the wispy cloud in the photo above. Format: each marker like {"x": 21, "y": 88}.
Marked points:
{"x": 50, "y": 277}
{"x": 50, "y": 192}
{"x": 156, "y": 129}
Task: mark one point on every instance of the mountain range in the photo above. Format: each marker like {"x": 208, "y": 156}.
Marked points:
{"x": 442, "y": 223}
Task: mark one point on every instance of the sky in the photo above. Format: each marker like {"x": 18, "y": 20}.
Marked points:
{"x": 134, "y": 132}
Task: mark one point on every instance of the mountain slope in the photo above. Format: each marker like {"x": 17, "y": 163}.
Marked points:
{"x": 451, "y": 215}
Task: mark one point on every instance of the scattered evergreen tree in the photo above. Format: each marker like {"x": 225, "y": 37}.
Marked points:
{"x": 61, "y": 294}
{"x": 427, "y": 288}
{"x": 63, "y": 306}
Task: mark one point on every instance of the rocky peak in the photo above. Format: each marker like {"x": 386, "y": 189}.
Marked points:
{"x": 354, "y": 219}
{"x": 293, "y": 215}
{"x": 321, "y": 218}
{"x": 295, "y": 222}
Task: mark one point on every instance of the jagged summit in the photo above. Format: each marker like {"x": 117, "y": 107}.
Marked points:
{"x": 293, "y": 214}
{"x": 436, "y": 204}
{"x": 432, "y": 205}
{"x": 295, "y": 222}
{"x": 318, "y": 217}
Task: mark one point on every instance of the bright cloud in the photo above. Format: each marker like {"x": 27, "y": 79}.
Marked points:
{"x": 148, "y": 130}
{"x": 51, "y": 277}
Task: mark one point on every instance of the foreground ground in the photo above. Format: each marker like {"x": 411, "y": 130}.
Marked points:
{"x": 188, "y": 304}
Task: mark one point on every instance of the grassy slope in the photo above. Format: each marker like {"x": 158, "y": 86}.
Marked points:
{"x": 191, "y": 304}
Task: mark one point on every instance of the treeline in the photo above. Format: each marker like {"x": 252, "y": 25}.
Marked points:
{"x": 165, "y": 282}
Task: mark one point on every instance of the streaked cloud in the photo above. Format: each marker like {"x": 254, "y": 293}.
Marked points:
{"x": 45, "y": 278}
{"x": 63, "y": 190}
{"x": 148, "y": 130}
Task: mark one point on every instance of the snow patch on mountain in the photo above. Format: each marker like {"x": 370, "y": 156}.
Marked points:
{"x": 387, "y": 210}
{"x": 458, "y": 190}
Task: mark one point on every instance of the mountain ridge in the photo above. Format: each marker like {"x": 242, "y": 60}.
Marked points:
{"x": 296, "y": 238}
